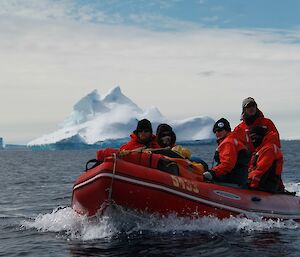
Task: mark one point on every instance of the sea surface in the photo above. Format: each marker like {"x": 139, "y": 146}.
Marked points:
{"x": 36, "y": 220}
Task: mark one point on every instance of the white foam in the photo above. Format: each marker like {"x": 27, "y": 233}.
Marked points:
{"x": 293, "y": 187}
{"x": 74, "y": 226}
{"x": 176, "y": 224}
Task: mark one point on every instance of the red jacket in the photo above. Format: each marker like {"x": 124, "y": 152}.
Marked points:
{"x": 134, "y": 143}
{"x": 228, "y": 149}
{"x": 266, "y": 154}
{"x": 243, "y": 130}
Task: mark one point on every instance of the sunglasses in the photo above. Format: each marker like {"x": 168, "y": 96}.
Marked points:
{"x": 218, "y": 130}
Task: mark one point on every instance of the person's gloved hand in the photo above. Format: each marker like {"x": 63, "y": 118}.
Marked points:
{"x": 208, "y": 175}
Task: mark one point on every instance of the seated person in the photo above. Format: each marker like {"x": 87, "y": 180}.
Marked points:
{"x": 165, "y": 136}
{"x": 266, "y": 163}
{"x": 142, "y": 137}
{"x": 232, "y": 157}
{"x": 252, "y": 117}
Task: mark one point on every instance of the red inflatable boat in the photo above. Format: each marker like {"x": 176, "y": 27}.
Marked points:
{"x": 136, "y": 183}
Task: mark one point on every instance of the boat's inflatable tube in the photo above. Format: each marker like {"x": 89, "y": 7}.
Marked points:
{"x": 136, "y": 187}
{"x": 176, "y": 166}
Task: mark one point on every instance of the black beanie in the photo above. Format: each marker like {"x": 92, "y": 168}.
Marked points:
{"x": 144, "y": 124}
{"x": 258, "y": 130}
{"x": 222, "y": 124}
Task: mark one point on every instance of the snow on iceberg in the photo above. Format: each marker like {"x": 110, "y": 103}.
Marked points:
{"x": 112, "y": 117}
{"x": 86, "y": 108}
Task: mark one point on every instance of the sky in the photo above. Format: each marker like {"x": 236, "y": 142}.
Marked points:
{"x": 186, "y": 57}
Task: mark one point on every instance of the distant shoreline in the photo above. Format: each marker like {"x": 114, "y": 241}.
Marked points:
{"x": 70, "y": 146}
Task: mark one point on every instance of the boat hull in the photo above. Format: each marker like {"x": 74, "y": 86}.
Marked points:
{"x": 149, "y": 190}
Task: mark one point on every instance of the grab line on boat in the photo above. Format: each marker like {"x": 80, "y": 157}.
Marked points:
{"x": 112, "y": 178}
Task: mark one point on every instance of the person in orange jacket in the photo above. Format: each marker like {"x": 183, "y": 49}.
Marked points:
{"x": 251, "y": 117}
{"x": 142, "y": 137}
{"x": 232, "y": 157}
{"x": 266, "y": 163}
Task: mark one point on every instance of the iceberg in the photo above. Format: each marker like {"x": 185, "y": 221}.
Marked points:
{"x": 101, "y": 121}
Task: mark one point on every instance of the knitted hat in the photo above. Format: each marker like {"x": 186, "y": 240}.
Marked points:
{"x": 144, "y": 124}
{"x": 222, "y": 124}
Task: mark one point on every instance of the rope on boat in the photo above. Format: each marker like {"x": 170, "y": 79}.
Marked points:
{"x": 141, "y": 150}
{"x": 113, "y": 177}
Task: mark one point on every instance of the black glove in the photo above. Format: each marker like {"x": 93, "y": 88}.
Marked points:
{"x": 209, "y": 175}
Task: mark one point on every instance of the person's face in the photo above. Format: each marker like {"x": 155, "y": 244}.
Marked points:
{"x": 166, "y": 138}
{"x": 144, "y": 135}
{"x": 256, "y": 139}
{"x": 221, "y": 133}
{"x": 250, "y": 109}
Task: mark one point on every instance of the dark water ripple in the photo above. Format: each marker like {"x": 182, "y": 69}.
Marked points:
{"x": 35, "y": 184}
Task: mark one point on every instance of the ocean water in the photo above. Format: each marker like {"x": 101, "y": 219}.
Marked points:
{"x": 36, "y": 220}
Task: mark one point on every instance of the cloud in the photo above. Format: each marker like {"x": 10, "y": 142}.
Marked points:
{"x": 146, "y": 14}
{"x": 51, "y": 59}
